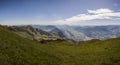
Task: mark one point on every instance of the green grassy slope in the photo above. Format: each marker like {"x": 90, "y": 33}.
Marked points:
{"x": 15, "y": 50}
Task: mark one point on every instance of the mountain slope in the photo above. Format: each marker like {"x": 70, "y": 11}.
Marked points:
{"x": 32, "y": 33}
{"x": 70, "y": 33}
{"x": 51, "y": 29}
{"x": 16, "y": 50}
{"x": 47, "y": 28}
{"x": 64, "y": 32}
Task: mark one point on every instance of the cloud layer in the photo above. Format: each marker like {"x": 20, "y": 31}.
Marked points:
{"x": 99, "y": 14}
{"x": 103, "y": 16}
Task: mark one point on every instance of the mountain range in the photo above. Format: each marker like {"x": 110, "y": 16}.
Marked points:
{"x": 82, "y": 33}
{"x": 74, "y": 33}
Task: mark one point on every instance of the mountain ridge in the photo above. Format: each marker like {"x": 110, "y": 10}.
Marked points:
{"x": 32, "y": 33}
{"x": 83, "y": 33}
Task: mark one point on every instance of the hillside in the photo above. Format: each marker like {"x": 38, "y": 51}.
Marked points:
{"x": 17, "y": 50}
{"x": 51, "y": 29}
{"x": 32, "y": 33}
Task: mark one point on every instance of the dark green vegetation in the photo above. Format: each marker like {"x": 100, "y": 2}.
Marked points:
{"x": 15, "y": 50}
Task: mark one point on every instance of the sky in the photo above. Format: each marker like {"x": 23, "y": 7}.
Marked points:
{"x": 60, "y": 12}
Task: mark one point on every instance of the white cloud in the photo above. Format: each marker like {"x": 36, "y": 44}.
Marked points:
{"x": 91, "y": 15}
{"x": 100, "y": 11}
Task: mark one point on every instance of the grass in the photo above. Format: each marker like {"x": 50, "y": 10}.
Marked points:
{"x": 15, "y": 50}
